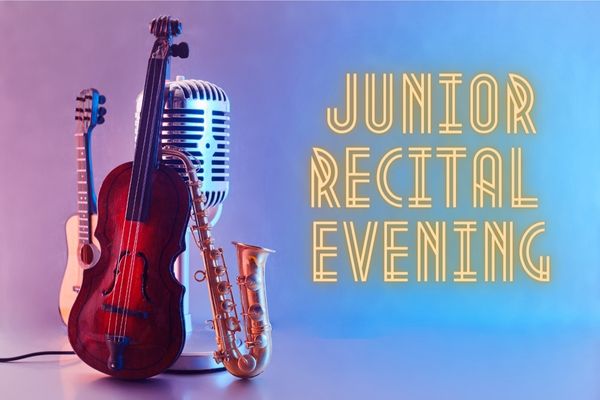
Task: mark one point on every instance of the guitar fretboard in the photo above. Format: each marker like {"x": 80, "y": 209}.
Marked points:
{"x": 86, "y": 202}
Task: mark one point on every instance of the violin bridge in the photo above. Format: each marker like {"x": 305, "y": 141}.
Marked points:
{"x": 124, "y": 311}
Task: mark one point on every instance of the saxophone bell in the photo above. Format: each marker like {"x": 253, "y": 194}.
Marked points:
{"x": 251, "y": 280}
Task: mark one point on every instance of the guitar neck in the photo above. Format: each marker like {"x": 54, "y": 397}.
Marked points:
{"x": 86, "y": 198}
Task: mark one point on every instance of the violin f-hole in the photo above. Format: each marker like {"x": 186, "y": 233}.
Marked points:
{"x": 144, "y": 276}
{"x": 116, "y": 271}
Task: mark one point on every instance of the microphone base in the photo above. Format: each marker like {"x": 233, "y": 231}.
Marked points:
{"x": 195, "y": 358}
{"x": 196, "y": 362}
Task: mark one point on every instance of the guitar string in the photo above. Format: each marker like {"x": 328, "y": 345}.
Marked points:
{"x": 86, "y": 142}
{"x": 82, "y": 147}
{"x": 82, "y": 106}
{"x": 157, "y": 107}
{"x": 121, "y": 268}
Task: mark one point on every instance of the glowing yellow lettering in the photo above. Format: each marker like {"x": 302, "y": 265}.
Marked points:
{"x": 348, "y": 124}
{"x": 360, "y": 258}
{"x": 321, "y": 251}
{"x": 323, "y": 177}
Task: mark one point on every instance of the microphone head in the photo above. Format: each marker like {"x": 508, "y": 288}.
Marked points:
{"x": 196, "y": 120}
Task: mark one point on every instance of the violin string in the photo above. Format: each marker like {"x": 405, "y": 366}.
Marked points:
{"x": 122, "y": 268}
{"x": 158, "y": 108}
{"x": 128, "y": 266}
{"x": 117, "y": 271}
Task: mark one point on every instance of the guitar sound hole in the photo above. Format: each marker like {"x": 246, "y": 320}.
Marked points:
{"x": 86, "y": 254}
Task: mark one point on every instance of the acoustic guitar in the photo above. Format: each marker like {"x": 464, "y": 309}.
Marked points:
{"x": 83, "y": 248}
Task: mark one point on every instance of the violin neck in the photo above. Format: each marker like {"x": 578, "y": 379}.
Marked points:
{"x": 147, "y": 148}
{"x": 86, "y": 198}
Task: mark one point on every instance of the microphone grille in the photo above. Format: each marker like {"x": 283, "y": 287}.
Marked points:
{"x": 196, "y": 120}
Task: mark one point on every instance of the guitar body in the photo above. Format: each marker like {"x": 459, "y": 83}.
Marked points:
{"x": 71, "y": 282}
{"x": 127, "y": 320}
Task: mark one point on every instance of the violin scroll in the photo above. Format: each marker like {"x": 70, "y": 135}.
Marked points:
{"x": 165, "y": 27}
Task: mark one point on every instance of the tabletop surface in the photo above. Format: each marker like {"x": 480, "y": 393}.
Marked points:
{"x": 423, "y": 363}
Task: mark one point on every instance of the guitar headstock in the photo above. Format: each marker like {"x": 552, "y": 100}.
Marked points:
{"x": 165, "y": 29}
{"x": 89, "y": 112}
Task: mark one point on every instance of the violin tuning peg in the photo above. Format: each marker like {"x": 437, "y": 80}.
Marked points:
{"x": 181, "y": 50}
{"x": 101, "y": 99}
{"x": 100, "y": 120}
{"x": 101, "y": 111}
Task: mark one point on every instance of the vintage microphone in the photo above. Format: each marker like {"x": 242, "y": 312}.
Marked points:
{"x": 196, "y": 120}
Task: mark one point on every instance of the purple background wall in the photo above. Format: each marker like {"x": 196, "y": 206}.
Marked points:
{"x": 56, "y": 51}
{"x": 282, "y": 64}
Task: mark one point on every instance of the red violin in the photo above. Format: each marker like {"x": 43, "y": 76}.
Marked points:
{"x": 127, "y": 320}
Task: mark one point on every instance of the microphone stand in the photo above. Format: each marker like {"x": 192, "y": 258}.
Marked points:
{"x": 192, "y": 359}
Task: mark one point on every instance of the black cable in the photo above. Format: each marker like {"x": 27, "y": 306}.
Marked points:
{"x": 39, "y": 353}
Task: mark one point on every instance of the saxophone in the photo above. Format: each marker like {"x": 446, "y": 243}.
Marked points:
{"x": 252, "y": 357}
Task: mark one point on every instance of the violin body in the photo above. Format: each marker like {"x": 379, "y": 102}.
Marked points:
{"x": 127, "y": 320}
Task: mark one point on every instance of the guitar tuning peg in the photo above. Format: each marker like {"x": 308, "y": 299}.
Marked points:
{"x": 101, "y": 99}
{"x": 100, "y": 120}
{"x": 101, "y": 111}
